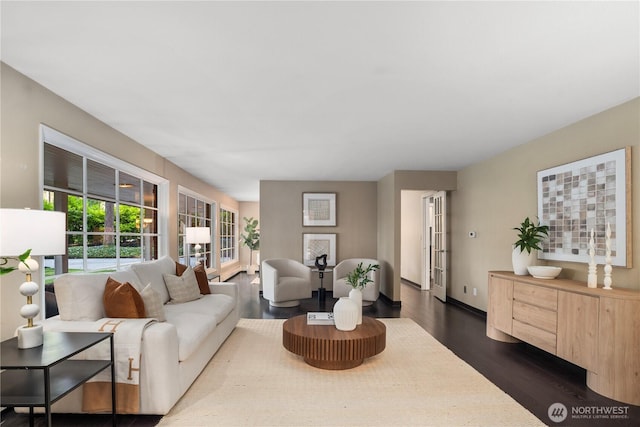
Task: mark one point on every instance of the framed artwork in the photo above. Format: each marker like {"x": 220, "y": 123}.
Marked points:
{"x": 319, "y": 209}
{"x": 314, "y": 245}
{"x": 585, "y": 195}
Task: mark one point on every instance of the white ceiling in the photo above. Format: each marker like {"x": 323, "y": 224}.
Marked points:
{"x": 237, "y": 92}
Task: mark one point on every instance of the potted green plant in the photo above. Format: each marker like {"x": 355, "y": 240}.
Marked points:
{"x": 251, "y": 239}
{"x": 358, "y": 279}
{"x": 530, "y": 235}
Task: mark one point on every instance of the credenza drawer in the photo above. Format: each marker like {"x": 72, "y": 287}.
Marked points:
{"x": 536, "y": 295}
{"x": 539, "y": 317}
{"x": 535, "y": 336}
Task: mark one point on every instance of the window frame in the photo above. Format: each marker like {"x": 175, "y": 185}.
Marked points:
{"x": 57, "y": 139}
{"x": 209, "y": 249}
{"x": 232, "y": 238}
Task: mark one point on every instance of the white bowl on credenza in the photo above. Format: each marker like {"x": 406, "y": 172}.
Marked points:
{"x": 544, "y": 271}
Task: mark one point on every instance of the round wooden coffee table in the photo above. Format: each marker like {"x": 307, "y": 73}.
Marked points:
{"x": 325, "y": 347}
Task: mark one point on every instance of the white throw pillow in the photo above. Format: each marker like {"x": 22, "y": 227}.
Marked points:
{"x": 152, "y": 304}
{"x": 182, "y": 288}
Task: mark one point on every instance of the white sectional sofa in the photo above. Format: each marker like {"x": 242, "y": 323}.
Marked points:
{"x": 173, "y": 352}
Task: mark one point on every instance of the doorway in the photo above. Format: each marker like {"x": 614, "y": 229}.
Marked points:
{"x": 424, "y": 240}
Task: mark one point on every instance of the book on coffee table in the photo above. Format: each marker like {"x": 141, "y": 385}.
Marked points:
{"x": 320, "y": 318}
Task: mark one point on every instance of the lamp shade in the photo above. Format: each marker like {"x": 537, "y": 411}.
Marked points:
{"x": 41, "y": 231}
{"x": 198, "y": 235}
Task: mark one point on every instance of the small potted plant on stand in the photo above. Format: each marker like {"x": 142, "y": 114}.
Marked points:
{"x": 252, "y": 240}
{"x": 358, "y": 279}
{"x": 529, "y": 237}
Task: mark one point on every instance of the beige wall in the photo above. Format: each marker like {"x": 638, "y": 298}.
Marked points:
{"x": 411, "y": 236}
{"x": 496, "y": 195}
{"x": 281, "y": 219}
{"x": 388, "y": 236}
{"x": 25, "y": 105}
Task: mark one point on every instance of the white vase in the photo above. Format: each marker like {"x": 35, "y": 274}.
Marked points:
{"x": 521, "y": 260}
{"x": 345, "y": 314}
{"x": 356, "y": 296}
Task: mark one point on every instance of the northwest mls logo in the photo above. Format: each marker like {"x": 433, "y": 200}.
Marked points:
{"x": 557, "y": 412}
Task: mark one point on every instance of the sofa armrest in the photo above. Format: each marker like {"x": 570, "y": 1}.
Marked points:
{"x": 225, "y": 288}
{"x": 160, "y": 377}
{"x": 160, "y": 374}
{"x": 230, "y": 289}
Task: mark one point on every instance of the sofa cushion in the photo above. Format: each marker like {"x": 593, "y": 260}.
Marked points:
{"x": 217, "y": 305}
{"x": 192, "y": 328}
{"x": 121, "y": 300}
{"x": 152, "y": 305}
{"x": 152, "y": 271}
{"x": 201, "y": 276}
{"x": 79, "y": 296}
{"x": 182, "y": 288}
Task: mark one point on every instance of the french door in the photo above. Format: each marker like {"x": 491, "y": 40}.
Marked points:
{"x": 439, "y": 258}
{"x": 427, "y": 252}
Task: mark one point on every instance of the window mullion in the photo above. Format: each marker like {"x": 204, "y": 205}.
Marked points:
{"x": 85, "y": 221}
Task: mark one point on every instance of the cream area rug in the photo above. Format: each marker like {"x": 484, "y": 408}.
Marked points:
{"x": 416, "y": 381}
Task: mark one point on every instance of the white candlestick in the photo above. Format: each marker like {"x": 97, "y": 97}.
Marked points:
{"x": 592, "y": 277}
{"x": 607, "y": 266}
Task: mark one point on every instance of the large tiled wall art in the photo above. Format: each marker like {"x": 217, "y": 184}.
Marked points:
{"x": 577, "y": 197}
{"x": 315, "y": 245}
{"x": 319, "y": 209}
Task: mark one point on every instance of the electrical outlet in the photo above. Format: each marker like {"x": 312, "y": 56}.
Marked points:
{"x": 475, "y": 292}
{"x": 464, "y": 289}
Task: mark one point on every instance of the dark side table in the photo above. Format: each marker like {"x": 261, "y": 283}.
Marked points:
{"x": 39, "y": 376}
{"x": 322, "y": 291}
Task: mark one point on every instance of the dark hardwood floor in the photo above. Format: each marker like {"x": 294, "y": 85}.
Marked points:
{"x": 532, "y": 377}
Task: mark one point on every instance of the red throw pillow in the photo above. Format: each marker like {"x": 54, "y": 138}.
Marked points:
{"x": 122, "y": 300}
{"x": 180, "y": 268}
{"x": 201, "y": 276}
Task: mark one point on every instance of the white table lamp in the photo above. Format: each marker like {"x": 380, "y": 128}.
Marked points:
{"x": 198, "y": 235}
{"x": 43, "y": 232}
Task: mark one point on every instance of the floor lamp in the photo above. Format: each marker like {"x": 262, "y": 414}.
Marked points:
{"x": 198, "y": 235}
{"x": 43, "y": 232}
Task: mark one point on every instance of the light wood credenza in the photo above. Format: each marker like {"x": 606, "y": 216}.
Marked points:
{"x": 596, "y": 329}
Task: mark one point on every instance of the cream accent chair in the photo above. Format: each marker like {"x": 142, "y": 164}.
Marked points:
{"x": 285, "y": 282}
{"x": 341, "y": 288}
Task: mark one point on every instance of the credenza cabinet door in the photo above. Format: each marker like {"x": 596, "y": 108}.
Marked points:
{"x": 618, "y": 376}
{"x": 500, "y": 311}
{"x": 577, "y": 337}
